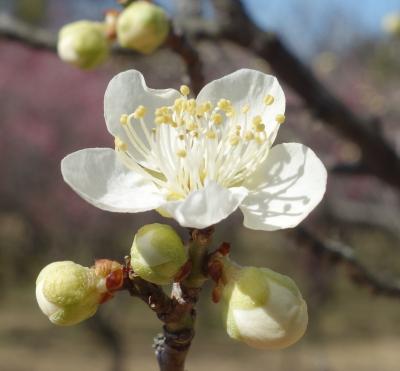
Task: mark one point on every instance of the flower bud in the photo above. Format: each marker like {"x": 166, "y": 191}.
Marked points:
{"x": 68, "y": 293}
{"x": 391, "y": 24}
{"x": 142, "y": 26}
{"x": 263, "y": 308}
{"x": 83, "y": 44}
{"x": 157, "y": 253}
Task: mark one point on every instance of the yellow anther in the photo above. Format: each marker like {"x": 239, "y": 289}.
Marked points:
{"x": 159, "y": 120}
{"x": 268, "y": 100}
{"x": 207, "y": 106}
{"x": 139, "y": 112}
{"x": 280, "y": 119}
{"x": 259, "y": 127}
{"x": 230, "y": 113}
{"x": 234, "y": 140}
{"x": 153, "y": 131}
{"x": 257, "y": 120}
{"x": 216, "y": 118}
{"x": 195, "y": 134}
{"x": 238, "y": 127}
{"x": 224, "y": 105}
{"x": 200, "y": 111}
{"x": 162, "y": 111}
{"x": 191, "y": 106}
{"x": 185, "y": 90}
{"x": 191, "y": 126}
{"x": 211, "y": 134}
{"x": 179, "y": 104}
{"x": 181, "y": 136}
{"x": 181, "y": 153}
{"x": 124, "y": 119}
{"x": 120, "y": 145}
{"x": 249, "y": 135}
{"x": 245, "y": 108}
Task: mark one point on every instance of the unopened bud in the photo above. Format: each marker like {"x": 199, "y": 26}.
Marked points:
{"x": 142, "y": 26}
{"x": 391, "y": 24}
{"x": 263, "y": 308}
{"x": 157, "y": 253}
{"x": 83, "y": 44}
{"x": 68, "y": 293}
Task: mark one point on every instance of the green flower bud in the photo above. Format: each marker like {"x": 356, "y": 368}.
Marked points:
{"x": 68, "y": 293}
{"x": 83, "y": 44}
{"x": 263, "y": 308}
{"x": 142, "y": 26}
{"x": 157, "y": 253}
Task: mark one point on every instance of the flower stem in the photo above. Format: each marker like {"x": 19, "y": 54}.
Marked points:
{"x": 173, "y": 345}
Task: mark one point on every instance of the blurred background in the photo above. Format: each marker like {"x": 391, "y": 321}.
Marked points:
{"x": 50, "y": 109}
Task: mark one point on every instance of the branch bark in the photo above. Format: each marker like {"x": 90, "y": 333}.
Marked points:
{"x": 177, "y": 312}
{"x": 339, "y": 252}
{"x": 378, "y": 156}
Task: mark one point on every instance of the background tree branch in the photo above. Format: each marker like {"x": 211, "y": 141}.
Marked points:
{"x": 338, "y": 252}
{"x": 378, "y": 157}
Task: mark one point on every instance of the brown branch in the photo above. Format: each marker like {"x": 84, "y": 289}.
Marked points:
{"x": 378, "y": 156}
{"x": 177, "y": 312}
{"x": 16, "y": 30}
{"x": 13, "y": 29}
{"x": 339, "y": 252}
{"x": 181, "y": 45}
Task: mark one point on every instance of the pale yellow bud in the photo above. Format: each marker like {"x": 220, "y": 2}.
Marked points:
{"x": 83, "y": 44}
{"x": 142, "y": 26}
{"x": 263, "y": 308}
{"x": 68, "y": 293}
{"x": 157, "y": 253}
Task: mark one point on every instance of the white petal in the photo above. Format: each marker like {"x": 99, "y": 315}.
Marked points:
{"x": 285, "y": 188}
{"x": 125, "y": 92}
{"x": 47, "y": 307}
{"x": 206, "y": 206}
{"x": 248, "y": 87}
{"x": 99, "y": 177}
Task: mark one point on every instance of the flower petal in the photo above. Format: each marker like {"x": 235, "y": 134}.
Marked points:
{"x": 247, "y": 86}
{"x": 285, "y": 189}
{"x": 206, "y": 206}
{"x": 98, "y": 176}
{"x": 125, "y": 92}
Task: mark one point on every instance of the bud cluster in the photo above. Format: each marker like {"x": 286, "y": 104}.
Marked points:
{"x": 260, "y": 307}
{"x": 141, "y": 26}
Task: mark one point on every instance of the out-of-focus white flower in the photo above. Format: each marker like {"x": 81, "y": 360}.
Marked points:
{"x": 263, "y": 308}
{"x": 83, "y": 44}
{"x": 142, "y": 26}
{"x": 157, "y": 253}
{"x": 198, "y": 160}
{"x": 68, "y": 293}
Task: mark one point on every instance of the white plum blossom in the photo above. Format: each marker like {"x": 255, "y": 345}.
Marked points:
{"x": 198, "y": 160}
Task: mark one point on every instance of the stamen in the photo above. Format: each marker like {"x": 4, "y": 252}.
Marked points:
{"x": 268, "y": 100}
{"x": 249, "y": 135}
{"x": 120, "y": 145}
{"x": 280, "y": 119}
{"x": 216, "y": 118}
{"x": 234, "y": 140}
{"x": 140, "y": 112}
{"x": 123, "y": 119}
{"x": 211, "y": 134}
{"x": 181, "y": 153}
{"x": 185, "y": 90}
{"x": 245, "y": 108}
{"x": 192, "y": 142}
{"x": 224, "y": 105}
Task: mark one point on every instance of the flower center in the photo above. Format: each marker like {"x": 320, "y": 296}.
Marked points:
{"x": 190, "y": 143}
